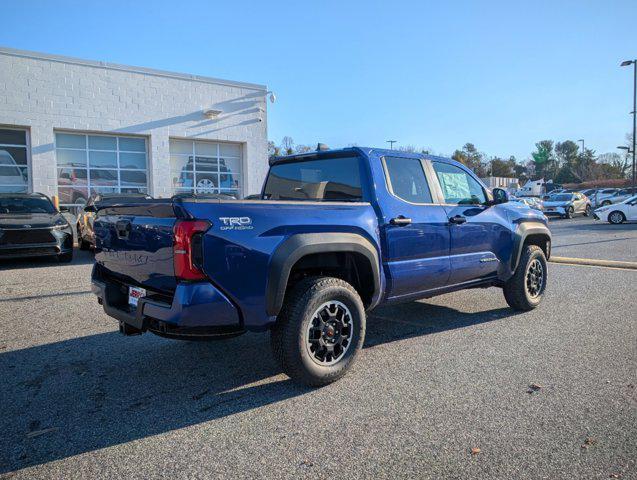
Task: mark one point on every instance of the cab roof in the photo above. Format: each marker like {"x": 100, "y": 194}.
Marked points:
{"x": 365, "y": 151}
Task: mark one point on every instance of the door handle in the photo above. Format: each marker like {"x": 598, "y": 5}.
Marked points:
{"x": 458, "y": 219}
{"x": 400, "y": 220}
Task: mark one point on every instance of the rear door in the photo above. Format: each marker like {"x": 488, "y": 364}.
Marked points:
{"x": 579, "y": 202}
{"x": 414, "y": 230}
{"x": 478, "y": 232}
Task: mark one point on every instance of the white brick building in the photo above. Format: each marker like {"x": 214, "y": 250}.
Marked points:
{"x": 73, "y": 127}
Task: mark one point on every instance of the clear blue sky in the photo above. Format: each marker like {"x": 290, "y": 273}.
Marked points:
{"x": 435, "y": 74}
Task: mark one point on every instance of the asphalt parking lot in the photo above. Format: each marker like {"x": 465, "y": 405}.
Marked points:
{"x": 545, "y": 394}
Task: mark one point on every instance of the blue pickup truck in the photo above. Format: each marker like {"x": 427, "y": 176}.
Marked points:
{"x": 334, "y": 234}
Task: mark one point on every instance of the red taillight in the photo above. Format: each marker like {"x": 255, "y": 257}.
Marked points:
{"x": 184, "y": 230}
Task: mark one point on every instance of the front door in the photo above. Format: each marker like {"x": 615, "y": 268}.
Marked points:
{"x": 579, "y": 203}
{"x": 479, "y": 233}
{"x": 414, "y": 230}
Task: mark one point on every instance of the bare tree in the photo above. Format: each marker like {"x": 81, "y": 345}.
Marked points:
{"x": 287, "y": 145}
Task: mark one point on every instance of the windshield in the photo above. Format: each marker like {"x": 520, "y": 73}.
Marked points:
{"x": 325, "y": 179}
{"x": 561, "y": 197}
{"x": 25, "y": 205}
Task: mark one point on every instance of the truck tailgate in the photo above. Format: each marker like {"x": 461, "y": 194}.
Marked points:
{"x": 134, "y": 243}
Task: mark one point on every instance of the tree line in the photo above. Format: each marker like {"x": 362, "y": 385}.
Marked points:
{"x": 562, "y": 162}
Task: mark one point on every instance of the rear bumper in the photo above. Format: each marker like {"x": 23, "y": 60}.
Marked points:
{"x": 197, "y": 309}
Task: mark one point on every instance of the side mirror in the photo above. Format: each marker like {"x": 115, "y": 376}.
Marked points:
{"x": 500, "y": 196}
{"x": 64, "y": 210}
{"x": 90, "y": 208}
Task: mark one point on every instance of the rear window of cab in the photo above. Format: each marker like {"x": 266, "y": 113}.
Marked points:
{"x": 323, "y": 179}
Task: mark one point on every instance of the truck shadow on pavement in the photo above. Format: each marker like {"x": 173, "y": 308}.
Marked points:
{"x": 87, "y": 393}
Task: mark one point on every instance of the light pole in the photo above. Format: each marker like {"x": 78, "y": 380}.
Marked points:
{"x": 391, "y": 143}
{"x": 634, "y": 112}
{"x": 582, "y": 140}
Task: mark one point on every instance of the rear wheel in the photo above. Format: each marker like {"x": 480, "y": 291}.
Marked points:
{"x": 319, "y": 331}
{"x": 587, "y": 211}
{"x": 525, "y": 289}
{"x": 616, "y": 217}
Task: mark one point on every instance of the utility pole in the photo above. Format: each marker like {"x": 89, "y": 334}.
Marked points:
{"x": 391, "y": 143}
{"x": 634, "y": 112}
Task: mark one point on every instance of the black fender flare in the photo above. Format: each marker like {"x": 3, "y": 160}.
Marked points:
{"x": 299, "y": 245}
{"x": 525, "y": 230}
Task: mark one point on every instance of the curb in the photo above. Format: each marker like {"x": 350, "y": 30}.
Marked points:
{"x": 594, "y": 262}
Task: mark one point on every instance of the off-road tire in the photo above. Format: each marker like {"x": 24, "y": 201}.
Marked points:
{"x": 515, "y": 289}
{"x": 621, "y": 217}
{"x": 288, "y": 335}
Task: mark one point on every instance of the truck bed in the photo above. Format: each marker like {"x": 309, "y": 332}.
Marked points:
{"x": 135, "y": 242}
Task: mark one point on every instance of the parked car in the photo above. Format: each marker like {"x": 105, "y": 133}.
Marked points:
{"x": 602, "y": 196}
{"x": 589, "y": 192}
{"x": 211, "y": 175}
{"x": 618, "y": 213}
{"x": 566, "y": 205}
{"x": 532, "y": 202}
{"x": 336, "y": 234}
{"x": 84, "y": 225}
{"x": 618, "y": 197}
{"x": 30, "y": 226}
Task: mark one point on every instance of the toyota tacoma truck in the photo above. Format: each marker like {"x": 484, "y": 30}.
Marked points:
{"x": 333, "y": 234}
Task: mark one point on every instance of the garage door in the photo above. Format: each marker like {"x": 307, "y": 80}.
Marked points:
{"x": 89, "y": 164}
{"x": 205, "y": 167}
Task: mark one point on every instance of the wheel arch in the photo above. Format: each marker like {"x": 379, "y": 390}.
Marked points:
{"x": 530, "y": 233}
{"x": 311, "y": 250}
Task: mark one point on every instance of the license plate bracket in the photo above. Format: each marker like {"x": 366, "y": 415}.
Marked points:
{"x": 134, "y": 294}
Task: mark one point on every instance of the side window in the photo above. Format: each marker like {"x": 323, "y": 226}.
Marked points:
{"x": 458, "y": 186}
{"x": 407, "y": 179}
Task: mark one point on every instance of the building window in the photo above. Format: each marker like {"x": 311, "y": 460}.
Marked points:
{"x": 205, "y": 167}
{"x": 88, "y": 164}
{"x": 14, "y": 171}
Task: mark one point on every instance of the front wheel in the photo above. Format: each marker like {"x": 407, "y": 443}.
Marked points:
{"x": 587, "y": 212}
{"x": 525, "y": 289}
{"x": 616, "y": 217}
{"x": 319, "y": 331}
{"x": 569, "y": 213}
